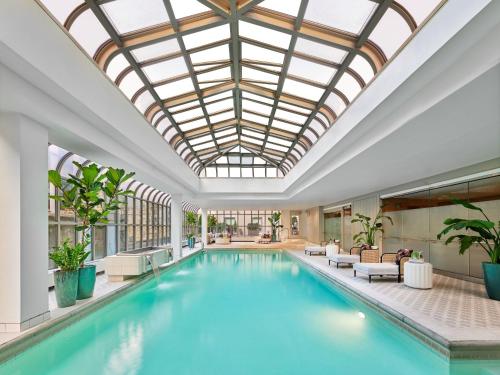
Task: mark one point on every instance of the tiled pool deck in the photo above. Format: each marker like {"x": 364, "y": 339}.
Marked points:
{"x": 455, "y": 316}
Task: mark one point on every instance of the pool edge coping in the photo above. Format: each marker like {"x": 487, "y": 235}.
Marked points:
{"x": 460, "y": 349}
{"x": 12, "y": 348}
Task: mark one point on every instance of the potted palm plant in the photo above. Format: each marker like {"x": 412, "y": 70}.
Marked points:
{"x": 93, "y": 194}
{"x": 274, "y": 220}
{"x": 68, "y": 259}
{"x": 191, "y": 220}
{"x": 211, "y": 223}
{"x": 483, "y": 232}
{"x": 370, "y": 228}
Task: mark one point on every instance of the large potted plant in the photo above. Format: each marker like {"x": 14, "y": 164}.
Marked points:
{"x": 369, "y": 228}
{"x": 274, "y": 220}
{"x": 253, "y": 229}
{"x": 92, "y": 195}
{"x": 211, "y": 223}
{"x": 483, "y": 232}
{"x": 68, "y": 259}
{"x": 191, "y": 219}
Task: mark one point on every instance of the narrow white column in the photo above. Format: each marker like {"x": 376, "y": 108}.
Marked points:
{"x": 23, "y": 223}
{"x": 176, "y": 225}
{"x": 204, "y": 226}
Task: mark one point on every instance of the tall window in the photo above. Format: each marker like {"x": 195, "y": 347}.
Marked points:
{"x": 243, "y": 224}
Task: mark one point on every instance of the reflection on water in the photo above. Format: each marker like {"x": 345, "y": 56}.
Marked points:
{"x": 127, "y": 358}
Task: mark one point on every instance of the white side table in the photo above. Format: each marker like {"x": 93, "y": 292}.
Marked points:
{"x": 418, "y": 275}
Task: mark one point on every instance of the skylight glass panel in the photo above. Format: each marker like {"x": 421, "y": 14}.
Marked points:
{"x": 302, "y": 90}
{"x": 233, "y": 159}
{"x": 219, "y": 106}
{"x": 207, "y": 36}
{"x": 166, "y": 69}
{"x": 290, "y": 7}
{"x": 251, "y": 140}
{"x": 61, "y": 9}
{"x": 254, "y": 53}
{"x": 254, "y": 118}
{"x": 89, "y": 32}
{"x": 311, "y": 71}
{"x": 258, "y": 160}
{"x": 257, "y": 75}
{"x": 222, "y": 172}
{"x": 227, "y": 139}
{"x": 193, "y": 125}
{"x": 187, "y": 115}
{"x": 166, "y": 47}
{"x": 246, "y": 172}
{"x": 221, "y": 160}
{"x": 348, "y": 86}
{"x": 252, "y": 133}
{"x": 199, "y": 140}
{"x": 130, "y": 84}
{"x": 250, "y": 95}
{"x": 276, "y": 147}
{"x": 293, "y": 117}
{"x": 259, "y": 172}
{"x": 211, "y": 172}
{"x": 285, "y": 126}
{"x": 309, "y": 134}
{"x": 335, "y": 103}
{"x": 224, "y": 133}
{"x": 234, "y": 172}
{"x": 391, "y": 32}
{"x": 279, "y": 141}
{"x": 247, "y": 160}
{"x": 117, "y": 65}
{"x": 320, "y": 50}
{"x": 264, "y": 34}
{"x": 222, "y": 95}
{"x": 316, "y": 125}
{"x": 347, "y": 15}
{"x": 184, "y": 8}
{"x": 144, "y": 101}
{"x": 271, "y": 172}
{"x": 204, "y": 146}
{"x": 130, "y": 15}
{"x": 162, "y": 126}
{"x": 170, "y": 134}
{"x": 156, "y": 117}
{"x": 214, "y": 75}
{"x": 256, "y": 107}
{"x": 193, "y": 103}
{"x": 295, "y": 108}
{"x": 361, "y": 66}
{"x": 221, "y": 116}
{"x": 419, "y": 9}
{"x": 175, "y": 88}
{"x": 211, "y": 54}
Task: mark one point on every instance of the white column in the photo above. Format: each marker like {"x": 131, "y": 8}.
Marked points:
{"x": 23, "y": 223}
{"x": 176, "y": 225}
{"x": 204, "y": 226}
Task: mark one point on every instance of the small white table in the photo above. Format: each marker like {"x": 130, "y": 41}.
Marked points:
{"x": 418, "y": 275}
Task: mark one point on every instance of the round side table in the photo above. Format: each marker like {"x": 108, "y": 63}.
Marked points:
{"x": 418, "y": 275}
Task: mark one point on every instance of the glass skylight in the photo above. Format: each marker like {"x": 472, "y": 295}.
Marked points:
{"x": 137, "y": 45}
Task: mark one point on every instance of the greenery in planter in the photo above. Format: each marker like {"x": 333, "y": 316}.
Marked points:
{"x": 92, "y": 195}
{"x": 485, "y": 232}
{"x": 416, "y": 255}
{"x": 68, "y": 257}
{"x": 191, "y": 220}
{"x": 370, "y": 228}
{"x": 274, "y": 220}
{"x": 253, "y": 227}
{"x": 211, "y": 222}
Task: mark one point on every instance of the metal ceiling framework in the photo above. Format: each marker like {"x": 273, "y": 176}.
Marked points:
{"x": 245, "y": 85}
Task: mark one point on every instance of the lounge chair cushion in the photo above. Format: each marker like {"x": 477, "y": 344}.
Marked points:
{"x": 315, "y": 249}
{"x": 344, "y": 258}
{"x": 377, "y": 268}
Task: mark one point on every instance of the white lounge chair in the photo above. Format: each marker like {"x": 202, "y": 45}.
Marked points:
{"x": 386, "y": 266}
{"x": 342, "y": 257}
{"x": 315, "y": 250}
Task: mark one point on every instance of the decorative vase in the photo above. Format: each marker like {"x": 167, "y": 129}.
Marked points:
{"x": 491, "y": 273}
{"x": 66, "y": 286}
{"x": 86, "y": 281}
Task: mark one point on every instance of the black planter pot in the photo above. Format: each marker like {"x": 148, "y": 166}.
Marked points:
{"x": 491, "y": 273}
{"x": 86, "y": 281}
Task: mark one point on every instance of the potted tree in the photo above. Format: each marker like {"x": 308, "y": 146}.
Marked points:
{"x": 484, "y": 233}
{"x": 370, "y": 228}
{"x": 93, "y": 194}
{"x": 68, "y": 259}
{"x": 191, "y": 220}
{"x": 274, "y": 220}
{"x": 211, "y": 223}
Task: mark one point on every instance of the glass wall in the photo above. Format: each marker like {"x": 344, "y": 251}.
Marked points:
{"x": 143, "y": 220}
{"x": 244, "y": 225}
{"x": 418, "y": 218}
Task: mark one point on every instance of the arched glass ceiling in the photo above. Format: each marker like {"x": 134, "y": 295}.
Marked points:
{"x": 267, "y": 76}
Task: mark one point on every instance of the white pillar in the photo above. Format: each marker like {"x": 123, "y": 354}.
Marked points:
{"x": 176, "y": 225}
{"x": 23, "y": 223}
{"x": 204, "y": 226}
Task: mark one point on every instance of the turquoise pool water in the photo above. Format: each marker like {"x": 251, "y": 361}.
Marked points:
{"x": 235, "y": 313}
